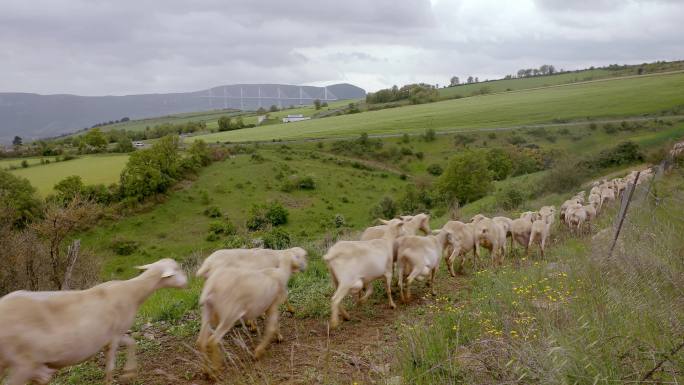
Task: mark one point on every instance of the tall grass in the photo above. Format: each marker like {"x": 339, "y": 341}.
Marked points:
{"x": 578, "y": 318}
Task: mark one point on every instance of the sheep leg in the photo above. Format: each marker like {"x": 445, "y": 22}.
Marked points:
{"x": 409, "y": 280}
{"x": 543, "y": 242}
{"x": 369, "y": 291}
{"x": 400, "y": 281}
{"x": 289, "y": 307}
{"x": 205, "y": 330}
{"x": 336, "y": 305}
{"x": 388, "y": 284}
{"x": 270, "y": 329}
{"x": 20, "y": 375}
{"x": 432, "y": 281}
{"x": 110, "y": 359}
{"x": 131, "y": 366}
{"x": 450, "y": 264}
{"x": 214, "y": 340}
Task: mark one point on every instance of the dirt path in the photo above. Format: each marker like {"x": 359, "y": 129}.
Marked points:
{"x": 361, "y": 350}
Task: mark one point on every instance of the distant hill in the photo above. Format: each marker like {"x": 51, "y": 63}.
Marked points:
{"x": 34, "y": 116}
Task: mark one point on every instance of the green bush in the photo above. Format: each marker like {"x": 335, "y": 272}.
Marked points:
{"x": 386, "y": 208}
{"x": 122, "y": 246}
{"x": 339, "y": 221}
{"x": 277, "y": 239}
{"x": 415, "y": 200}
{"x": 435, "y": 169}
{"x": 18, "y": 199}
{"x": 236, "y": 241}
{"x": 500, "y": 163}
{"x": 306, "y": 183}
{"x": 429, "y": 135}
{"x": 610, "y": 128}
{"x": 263, "y": 216}
{"x": 466, "y": 178}
{"x": 222, "y": 228}
{"x": 212, "y": 212}
{"x": 510, "y": 197}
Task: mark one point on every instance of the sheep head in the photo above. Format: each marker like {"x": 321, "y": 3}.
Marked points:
{"x": 170, "y": 273}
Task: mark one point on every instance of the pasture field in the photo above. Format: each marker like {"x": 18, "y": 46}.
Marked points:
{"x": 607, "y": 99}
{"x": 93, "y": 169}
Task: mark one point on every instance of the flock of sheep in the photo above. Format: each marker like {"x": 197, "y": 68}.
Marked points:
{"x": 41, "y": 332}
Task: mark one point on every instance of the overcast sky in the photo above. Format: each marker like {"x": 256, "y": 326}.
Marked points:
{"x": 98, "y": 47}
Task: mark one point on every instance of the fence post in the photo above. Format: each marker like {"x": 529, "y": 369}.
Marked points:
{"x": 72, "y": 257}
{"x": 623, "y": 214}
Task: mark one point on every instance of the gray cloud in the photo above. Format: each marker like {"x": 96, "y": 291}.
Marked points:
{"x": 95, "y": 47}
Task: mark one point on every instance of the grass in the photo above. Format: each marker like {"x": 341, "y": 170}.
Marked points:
{"x": 609, "y": 99}
{"x": 93, "y": 169}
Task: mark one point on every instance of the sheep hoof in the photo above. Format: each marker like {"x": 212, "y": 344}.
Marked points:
{"x": 393, "y": 306}
{"x": 279, "y": 338}
{"x": 258, "y": 353}
{"x": 334, "y": 324}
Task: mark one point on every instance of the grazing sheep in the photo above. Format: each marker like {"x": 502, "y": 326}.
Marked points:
{"x": 564, "y": 207}
{"x": 463, "y": 240}
{"x": 255, "y": 259}
{"x": 231, "y": 294}
{"x": 590, "y": 209}
{"x": 595, "y": 200}
{"x": 41, "y": 332}
{"x": 607, "y": 195}
{"x": 575, "y": 216}
{"x": 477, "y": 218}
{"x": 521, "y": 229}
{"x": 353, "y": 265}
{"x": 492, "y": 237}
{"x": 541, "y": 228}
{"x": 377, "y": 232}
{"x": 418, "y": 257}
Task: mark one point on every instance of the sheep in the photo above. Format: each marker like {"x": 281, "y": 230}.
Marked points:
{"x": 412, "y": 224}
{"x": 521, "y": 229}
{"x": 541, "y": 228}
{"x": 255, "y": 259}
{"x": 590, "y": 209}
{"x": 463, "y": 240}
{"x": 419, "y": 257}
{"x": 575, "y": 216}
{"x": 607, "y": 195}
{"x": 231, "y": 294}
{"x": 564, "y": 207}
{"x": 353, "y": 265}
{"x": 377, "y": 232}
{"x": 492, "y": 237}
{"x": 595, "y": 200}
{"x": 505, "y": 224}
{"x": 41, "y": 332}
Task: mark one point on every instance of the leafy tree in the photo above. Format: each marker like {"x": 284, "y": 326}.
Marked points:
{"x": 95, "y": 138}
{"x": 273, "y": 108}
{"x": 500, "y": 163}
{"x": 385, "y": 209}
{"x": 454, "y": 81}
{"x": 261, "y": 111}
{"x": 466, "y": 178}
{"x": 224, "y": 123}
{"x": 124, "y": 144}
{"x": 152, "y": 170}
{"x": 199, "y": 152}
{"x": 17, "y": 141}
{"x": 18, "y": 197}
{"x": 317, "y": 104}
{"x": 470, "y": 79}
{"x": 68, "y": 188}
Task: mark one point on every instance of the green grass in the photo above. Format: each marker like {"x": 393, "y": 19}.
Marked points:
{"x": 608, "y": 99}
{"x": 93, "y": 169}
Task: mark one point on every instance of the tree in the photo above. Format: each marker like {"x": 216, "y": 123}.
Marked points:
{"x": 544, "y": 69}
{"x": 95, "y": 138}
{"x": 224, "y": 123}
{"x": 317, "y": 104}
{"x": 68, "y": 188}
{"x": 17, "y": 141}
{"x": 466, "y": 178}
{"x": 261, "y": 111}
{"x": 19, "y": 197}
{"x": 521, "y": 73}
{"x": 552, "y": 69}
{"x": 454, "y": 81}
{"x": 273, "y": 108}
{"x": 470, "y": 79}
{"x": 477, "y": 80}
{"x": 500, "y": 163}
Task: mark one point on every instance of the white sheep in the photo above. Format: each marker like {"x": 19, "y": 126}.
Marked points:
{"x": 505, "y": 224}
{"x": 521, "y": 228}
{"x": 354, "y": 265}
{"x": 255, "y": 259}
{"x": 231, "y": 294}
{"x": 541, "y": 228}
{"x": 412, "y": 224}
{"x": 377, "y": 232}
{"x": 419, "y": 257}
{"x": 41, "y": 332}
{"x": 492, "y": 237}
{"x": 464, "y": 240}
{"x": 575, "y": 216}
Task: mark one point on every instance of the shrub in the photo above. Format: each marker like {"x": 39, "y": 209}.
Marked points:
{"x": 261, "y": 216}
{"x": 463, "y": 139}
{"x": 212, "y": 212}
{"x": 236, "y": 242}
{"x": 277, "y": 239}
{"x": 516, "y": 140}
{"x": 122, "y": 246}
{"x": 610, "y": 128}
{"x": 222, "y": 228}
{"x": 466, "y": 178}
{"x": 24, "y": 163}
{"x": 18, "y": 199}
{"x": 565, "y": 176}
{"x": 592, "y": 126}
{"x": 435, "y": 169}
{"x": 415, "y": 200}
{"x": 386, "y": 208}
{"x": 510, "y": 197}
{"x": 339, "y": 221}
{"x": 306, "y": 183}
{"x": 500, "y": 163}
{"x": 429, "y": 135}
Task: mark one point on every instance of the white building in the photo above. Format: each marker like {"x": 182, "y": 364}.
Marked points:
{"x": 294, "y": 118}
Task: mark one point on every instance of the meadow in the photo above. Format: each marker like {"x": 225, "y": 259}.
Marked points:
{"x": 606, "y": 99}
{"x": 93, "y": 169}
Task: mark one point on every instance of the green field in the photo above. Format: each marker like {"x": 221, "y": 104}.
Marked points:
{"x": 93, "y": 169}
{"x": 606, "y": 99}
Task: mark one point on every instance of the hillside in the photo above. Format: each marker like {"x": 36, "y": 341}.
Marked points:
{"x": 34, "y": 116}
{"x": 618, "y": 97}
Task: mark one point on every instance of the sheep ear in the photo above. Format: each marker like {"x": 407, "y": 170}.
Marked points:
{"x": 168, "y": 273}
{"x": 383, "y": 221}
{"x": 143, "y": 267}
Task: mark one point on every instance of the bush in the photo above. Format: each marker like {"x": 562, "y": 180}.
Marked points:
{"x": 277, "y": 239}
{"x": 18, "y": 199}
{"x": 222, "y": 228}
{"x": 592, "y": 126}
{"x": 500, "y": 163}
{"x": 463, "y": 139}
{"x": 565, "y": 176}
{"x": 415, "y": 200}
{"x": 122, "y": 246}
{"x": 435, "y": 169}
{"x": 466, "y": 178}
{"x": 624, "y": 153}
{"x": 24, "y": 163}
{"x": 516, "y": 140}
{"x": 212, "y": 212}
{"x": 610, "y": 128}
{"x": 386, "y": 208}
{"x": 429, "y": 135}
{"x": 510, "y": 197}
{"x": 339, "y": 221}
{"x": 236, "y": 242}
{"x": 306, "y": 183}
{"x": 263, "y": 216}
